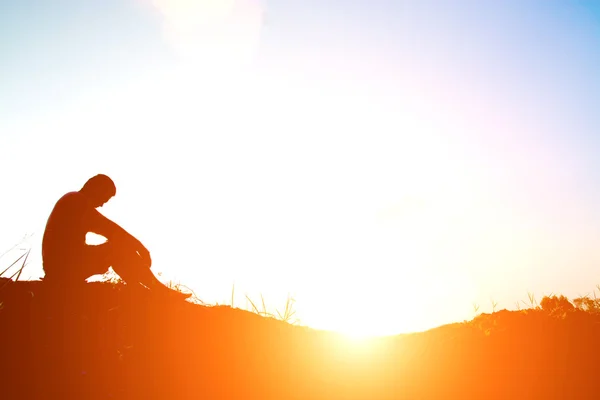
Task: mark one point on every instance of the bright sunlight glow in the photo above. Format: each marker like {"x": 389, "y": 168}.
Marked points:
{"x": 384, "y": 185}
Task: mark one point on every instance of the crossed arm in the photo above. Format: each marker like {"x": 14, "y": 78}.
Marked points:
{"x": 101, "y": 225}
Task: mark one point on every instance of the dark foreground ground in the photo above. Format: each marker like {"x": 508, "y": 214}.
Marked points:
{"x": 102, "y": 342}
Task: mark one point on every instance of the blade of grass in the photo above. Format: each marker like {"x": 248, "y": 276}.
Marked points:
{"x": 11, "y": 265}
{"x": 254, "y": 308}
{"x": 9, "y": 250}
{"x": 23, "y": 265}
{"x": 263, "y": 303}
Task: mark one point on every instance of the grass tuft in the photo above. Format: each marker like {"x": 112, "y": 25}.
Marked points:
{"x": 286, "y": 315}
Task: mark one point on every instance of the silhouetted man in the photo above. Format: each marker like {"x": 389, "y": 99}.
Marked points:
{"x": 67, "y": 259}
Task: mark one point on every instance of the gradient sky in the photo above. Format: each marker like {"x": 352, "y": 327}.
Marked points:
{"x": 388, "y": 163}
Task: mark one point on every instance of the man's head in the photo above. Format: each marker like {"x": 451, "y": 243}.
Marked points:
{"x": 99, "y": 189}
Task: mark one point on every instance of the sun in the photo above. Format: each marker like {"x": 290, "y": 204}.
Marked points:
{"x": 359, "y": 330}
{"x": 358, "y": 336}
{"x": 369, "y": 219}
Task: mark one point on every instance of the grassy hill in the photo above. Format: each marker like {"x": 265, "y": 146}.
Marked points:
{"x": 104, "y": 341}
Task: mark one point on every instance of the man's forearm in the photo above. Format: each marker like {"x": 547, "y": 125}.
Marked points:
{"x": 131, "y": 240}
{"x": 113, "y": 231}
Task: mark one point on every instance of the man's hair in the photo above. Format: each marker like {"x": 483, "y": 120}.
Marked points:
{"x": 100, "y": 184}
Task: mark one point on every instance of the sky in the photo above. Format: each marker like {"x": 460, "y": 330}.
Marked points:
{"x": 392, "y": 165}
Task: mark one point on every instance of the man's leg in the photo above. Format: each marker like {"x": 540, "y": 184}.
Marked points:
{"x": 77, "y": 266}
{"x": 96, "y": 260}
{"x": 134, "y": 270}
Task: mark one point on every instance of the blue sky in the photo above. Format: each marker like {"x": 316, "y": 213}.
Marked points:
{"x": 545, "y": 46}
{"x": 55, "y": 51}
{"x": 432, "y": 138}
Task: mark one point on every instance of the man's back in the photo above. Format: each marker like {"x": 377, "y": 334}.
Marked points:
{"x": 64, "y": 236}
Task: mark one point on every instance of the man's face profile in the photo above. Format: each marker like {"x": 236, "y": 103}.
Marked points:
{"x": 99, "y": 190}
{"x": 102, "y": 197}
{"x": 104, "y": 201}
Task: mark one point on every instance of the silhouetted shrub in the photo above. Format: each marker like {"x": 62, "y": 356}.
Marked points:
{"x": 556, "y": 305}
{"x": 587, "y": 304}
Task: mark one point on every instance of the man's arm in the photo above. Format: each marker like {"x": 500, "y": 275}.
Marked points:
{"x": 101, "y": 225}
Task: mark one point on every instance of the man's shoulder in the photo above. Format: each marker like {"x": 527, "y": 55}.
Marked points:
{"x": 72, "y": 199}
{"x": 72, "y": 196}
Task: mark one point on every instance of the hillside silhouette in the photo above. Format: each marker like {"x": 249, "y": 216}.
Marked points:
{"x": 103, "y": 341}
